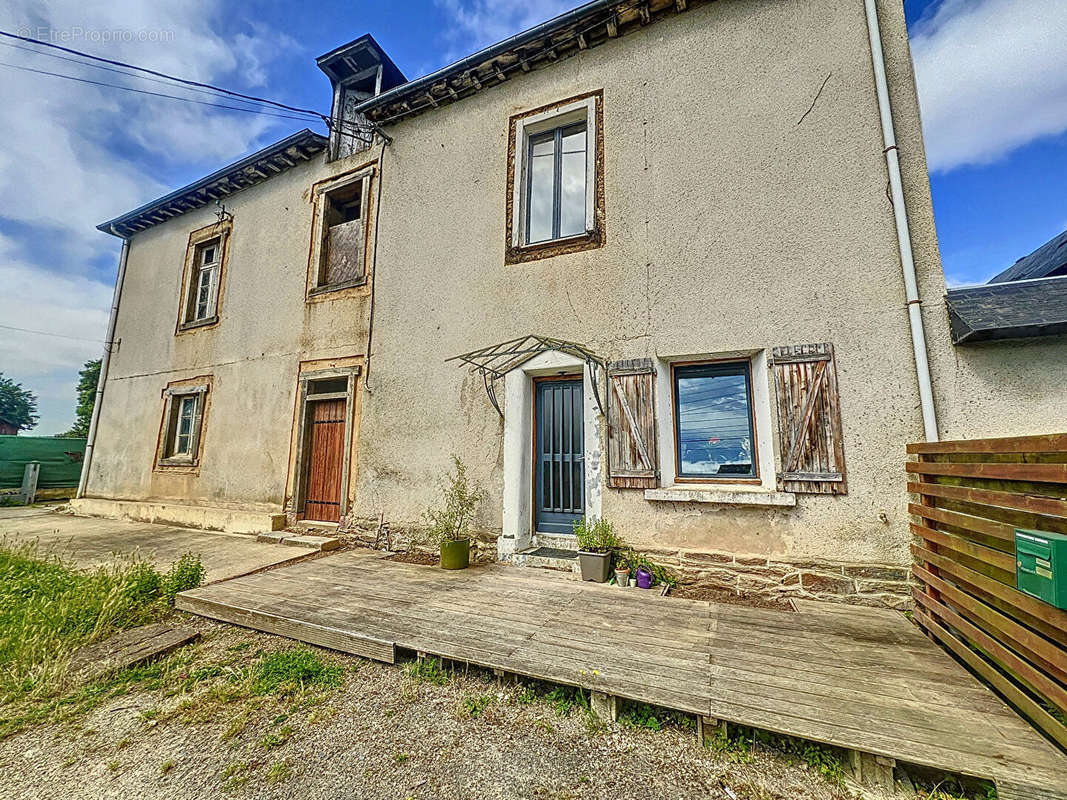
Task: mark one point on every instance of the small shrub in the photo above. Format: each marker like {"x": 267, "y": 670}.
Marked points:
{"x": 596, "y": 536}
{"x": 460, "y": 499}
{"x": 295, "y": 669}
{"x": 186, "y": 573}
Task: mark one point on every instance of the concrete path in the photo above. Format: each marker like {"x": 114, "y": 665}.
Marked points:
{"x": 90, "y": 541}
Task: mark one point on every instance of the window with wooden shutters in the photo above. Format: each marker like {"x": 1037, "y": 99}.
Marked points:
{"x": 632, "y": 460}
{"x": 809, "y": 420}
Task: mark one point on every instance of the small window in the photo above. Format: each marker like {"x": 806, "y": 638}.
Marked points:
{"x": 184, "y": 417}
{"x": 203, "y": 276}
{"x": 555, "y": 184}
{"x": 713, "y": 428}
{"x": 204, "y": 298}
{"x": 342, "y": 247}
{"x": 556, "y": 200}
{"x": 328, "y": 386}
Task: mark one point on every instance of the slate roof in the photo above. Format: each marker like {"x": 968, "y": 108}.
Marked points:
{"x": 1049, "y": 260}
{"x": 1008, "y": 310}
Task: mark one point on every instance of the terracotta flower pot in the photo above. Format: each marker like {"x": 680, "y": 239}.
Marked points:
{"x": 456, "y": 554}
{"x": 595, "y": 566}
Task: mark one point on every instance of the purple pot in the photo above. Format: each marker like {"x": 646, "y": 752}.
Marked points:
{"x": 644, "y": 578}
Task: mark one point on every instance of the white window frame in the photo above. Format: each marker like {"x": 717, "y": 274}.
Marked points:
{"x": 175, "y": 399}
{"x": 579, "y": 110}
{"x": 318, "y": 250}
{"x": 210, "y": 270}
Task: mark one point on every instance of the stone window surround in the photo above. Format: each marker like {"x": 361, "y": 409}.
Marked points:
{"x": 217, "y": 230}
{"x": 320, "y": 191}
{"x": 588, "y": 107}
{"x": 200, "y": 385}
{"x": 517, "y": 527}
{"x": 726, "y": 492}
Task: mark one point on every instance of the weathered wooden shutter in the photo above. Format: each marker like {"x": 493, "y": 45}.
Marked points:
{"x": 809, "y": 420}
{"x": 632, "y": 460}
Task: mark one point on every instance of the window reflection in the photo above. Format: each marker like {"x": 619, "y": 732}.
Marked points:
{"x": 713, "y": 420}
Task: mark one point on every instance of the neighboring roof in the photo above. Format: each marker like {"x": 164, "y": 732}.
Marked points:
{"x": 1013, "y": 310}
{"x": 250, "y": 170}
{"x": 581, "y": 28}
{"x": 1049, "y": 260}
{"x": 349, "y": 60}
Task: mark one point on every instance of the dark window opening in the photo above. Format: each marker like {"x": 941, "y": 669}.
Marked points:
{"x": 344, "y": 239}
{"x": 328, "y": 386}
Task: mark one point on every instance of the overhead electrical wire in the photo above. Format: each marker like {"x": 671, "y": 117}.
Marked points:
{"x": 49, "y": 333}
{"x": 207, "y": 92}
{"x": 153, "y": 94}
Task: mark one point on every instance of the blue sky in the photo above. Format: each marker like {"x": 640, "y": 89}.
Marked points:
{"x": 992, "y": 78}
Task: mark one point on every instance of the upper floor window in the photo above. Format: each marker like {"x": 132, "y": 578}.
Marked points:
{"x": 205, "y": 295}
{"x": 202, "y": 279}
{"x": 556, "y": 190}
{"x": 339, "y": 244}
{"x": 556, "y": 202}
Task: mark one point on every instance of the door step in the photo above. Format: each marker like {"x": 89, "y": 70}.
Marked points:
{"x": 558, "y": 541}
{"x": 301, "y": 539}
{"x": 556, "y": 558}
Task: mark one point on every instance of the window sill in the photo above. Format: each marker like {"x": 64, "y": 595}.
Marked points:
{"x": 199, "y": 323}
{"x": 723, "y": 495}
{"x": 177, "y": 462}
{"x": 336, "y": 287}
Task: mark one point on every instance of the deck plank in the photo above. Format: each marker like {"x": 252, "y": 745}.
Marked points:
{"x": 867, "y": 680}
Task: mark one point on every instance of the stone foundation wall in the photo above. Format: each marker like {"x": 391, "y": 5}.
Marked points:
{"x": 369, "y": 532}
{"x": 838, "y": 582}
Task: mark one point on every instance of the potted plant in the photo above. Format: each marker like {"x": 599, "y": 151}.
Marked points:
{"x": 449, "y": 525}
{"x": 624, "y": 559}
{"x": 596, "y": 542}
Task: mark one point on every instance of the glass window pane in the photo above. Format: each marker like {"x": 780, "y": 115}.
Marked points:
{"x": 714, "y": 421}
{"x": 542, "y": 170}
{"x": 572, "y": 183}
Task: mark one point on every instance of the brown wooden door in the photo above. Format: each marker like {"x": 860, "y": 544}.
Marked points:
{"x": 322, "y": 500}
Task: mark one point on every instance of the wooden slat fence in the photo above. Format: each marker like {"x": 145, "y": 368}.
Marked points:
{"x": 972, "y": 495}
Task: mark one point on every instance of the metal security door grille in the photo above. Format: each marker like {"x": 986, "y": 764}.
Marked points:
{"x": 560, "y": 498}
{"x": 322, "y": 501}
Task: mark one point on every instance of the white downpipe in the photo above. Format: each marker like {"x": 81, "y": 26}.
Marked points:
{"x": 105, "y": 362}
{"x": 900, "y": 215}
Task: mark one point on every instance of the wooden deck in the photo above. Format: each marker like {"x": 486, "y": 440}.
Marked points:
{"x": 865, "y": 680}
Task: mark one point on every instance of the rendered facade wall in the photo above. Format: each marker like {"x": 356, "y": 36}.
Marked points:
{"x": 744, "y": 209}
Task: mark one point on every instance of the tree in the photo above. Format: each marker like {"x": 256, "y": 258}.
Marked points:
{"x": 83, "y": 413}
{"x": 18, "y": 406}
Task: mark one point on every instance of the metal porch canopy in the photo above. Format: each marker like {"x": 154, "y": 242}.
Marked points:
{"x": 496, "y": 361}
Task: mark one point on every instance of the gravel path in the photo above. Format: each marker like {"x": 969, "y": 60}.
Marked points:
{"x": 384, "y": 735}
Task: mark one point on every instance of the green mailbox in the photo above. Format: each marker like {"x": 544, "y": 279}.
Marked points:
{"x": 1041, "y": 565}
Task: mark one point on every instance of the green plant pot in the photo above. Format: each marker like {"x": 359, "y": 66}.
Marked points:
{"x": 594, "y": 566}
{"x": 456, "y": 554}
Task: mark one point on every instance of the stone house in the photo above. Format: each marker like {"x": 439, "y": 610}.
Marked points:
{"x": 658, "y": 262}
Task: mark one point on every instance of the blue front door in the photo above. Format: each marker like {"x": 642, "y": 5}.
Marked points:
{"x": 560, "y": 444}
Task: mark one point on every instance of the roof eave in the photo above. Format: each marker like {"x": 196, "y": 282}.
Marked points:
{"x": 271, "y": 160}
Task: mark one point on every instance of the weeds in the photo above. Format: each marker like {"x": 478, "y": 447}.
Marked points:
{"x": 166, "y": 766}
{"x": 653, "y": 718}
{"x": 279, "y": 771}
{"x": 473, "y": 706}
{"x": 427, "y": 670}
{"x": 235, "y": 775}
{"x": 276, "y": 739}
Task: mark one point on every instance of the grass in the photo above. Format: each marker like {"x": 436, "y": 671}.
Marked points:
{"x": 279, "y": 771}
{"x": 295, "y": 670}
{"x": 737, "y": 743}
{"x": 166, "y": 766}
{"x": 49, "y": 608}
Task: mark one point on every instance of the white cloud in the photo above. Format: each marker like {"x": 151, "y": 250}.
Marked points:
{"x": 75, "y": 154}
{"x": 479, "y": 23}
{"x": 992, "y": 77}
